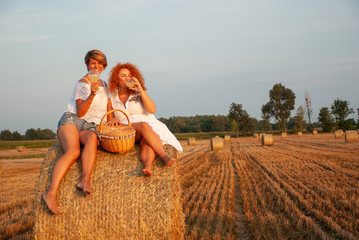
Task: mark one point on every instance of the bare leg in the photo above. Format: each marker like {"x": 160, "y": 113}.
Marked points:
{"x": 69, "y": 139}
{"x": 153, "y": 140}
{"x": 147, "y": 157}
{"x": 89, "y": 140}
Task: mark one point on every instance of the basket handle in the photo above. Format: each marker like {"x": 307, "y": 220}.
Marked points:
{"x": 111, "y": 111}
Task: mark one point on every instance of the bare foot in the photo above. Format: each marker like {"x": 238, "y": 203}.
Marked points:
{"x": 146, "y": 172}
{"x": 85, "y": 187}
{"x": 51, "y": 204}
{"x": 168, "y": 160}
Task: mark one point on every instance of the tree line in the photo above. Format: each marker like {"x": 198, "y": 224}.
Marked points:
{"x": 30, "y": 134}
{"x": 279, "y": 109}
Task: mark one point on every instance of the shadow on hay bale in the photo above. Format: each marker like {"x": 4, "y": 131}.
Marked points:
{"x": 124, "y": 205}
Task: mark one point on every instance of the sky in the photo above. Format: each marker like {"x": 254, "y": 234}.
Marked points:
{"x": 197, "y": 56}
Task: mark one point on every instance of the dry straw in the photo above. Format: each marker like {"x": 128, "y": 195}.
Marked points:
{"x": 338, "y": 134}
{"x": 284, "y": 135}
{"x": 124, "y": 205}
{"x": 21, "y": 148}
{"x": 227, "y": 138}
{"x": 260, "y": 136}
{"x": 315, "y": 132}
{"x": 351, "y": 136}
{"x": 299, "y": 134}
{"x": 255, "y": 135}
{"x": 267, "y": 140}
{"x": 216, "y": 143}
{"x": 191, "y": 142}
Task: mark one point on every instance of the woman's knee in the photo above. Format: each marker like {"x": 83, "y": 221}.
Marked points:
{"x": 74, "y": 152}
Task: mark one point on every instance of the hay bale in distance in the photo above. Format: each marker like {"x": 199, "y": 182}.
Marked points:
{"x": 267, "y": 140}
{"x": 315, "y": 132}
{"x": 260, "y": 136}
{"x": 124, "y": 205}
{"x": 216, "y": 144}
{"x": 338, "y": 134}
{"x": 284, "y": 135}
{"x": 21, "y": 148}
{"x": 255, "y": 135}
{"x": 227, "y": 138}
{"x": 351, "y": 136}
{"x": 299, "y": 134}
{"x": 191, "y": 142}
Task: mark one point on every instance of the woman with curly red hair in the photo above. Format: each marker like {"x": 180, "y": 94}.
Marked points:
{"x": 127, "y": 86}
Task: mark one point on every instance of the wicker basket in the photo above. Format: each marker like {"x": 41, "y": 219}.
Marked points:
{"x": 118, "y": 139}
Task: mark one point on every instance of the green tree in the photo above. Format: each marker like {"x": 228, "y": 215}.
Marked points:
{"x": 326, "y": 119}
{"x": 281, "y": 101}
{"x": 246, "y": 124}
{"x": 16, "y": 136}
{"x": 236, "y": 113}
{"x": 358, "y": 119}
{"x": 31, "y": 134}
{"x": 340, "y": 110}
{"x": 299, "y": 118}
{"x": 266, "y": 115}
{"x": 6, "y": 135}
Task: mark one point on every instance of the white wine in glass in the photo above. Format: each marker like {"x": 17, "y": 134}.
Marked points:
{"x": 130, "y": 83}
{"x": 94, "y": 75}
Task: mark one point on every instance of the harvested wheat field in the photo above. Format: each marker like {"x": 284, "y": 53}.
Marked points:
{"x": 299, "y": 188}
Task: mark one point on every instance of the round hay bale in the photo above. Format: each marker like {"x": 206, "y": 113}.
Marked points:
{"x": 299, "y": 134}
{"x": 255, "y": 135}
{"x": 260, "y": 136}
{"x": 191, "y": 142}
{"x": 21, "y": 148}
{"x": 267, "y": 140}
{"x": 124, "y": 204}
{"x": 338, "y": 134}
{"x": 315, "y": 132}
{"x": 284, "y": 135}
{"x": 216, "y": 144}
{"x": 351, "y": 136}
{"x": 227, "y": 138}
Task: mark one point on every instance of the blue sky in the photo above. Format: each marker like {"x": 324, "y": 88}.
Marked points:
{"x": 197, "y": 56}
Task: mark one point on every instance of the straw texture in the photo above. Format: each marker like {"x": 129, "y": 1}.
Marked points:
{"x": 216, "y": 143}
{"x": 267, "y": 140}
{"x": 227, "y": 138}
{"x": 21, "y": 148}
{"x": 338, "y": 134}
{"x": 255, "y": 135}
{"x": 315, "y": 132}
{"x": 191, "y": 142}
{"x": 299, "y": 134}
{"x": 124, "y": 205}
{"x": 283, "y": 135}
{"x": 351, "y": 136}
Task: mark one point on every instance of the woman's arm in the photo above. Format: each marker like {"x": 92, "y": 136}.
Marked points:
{"x": 147, "y": 102}
{"x": 82, "y": 106}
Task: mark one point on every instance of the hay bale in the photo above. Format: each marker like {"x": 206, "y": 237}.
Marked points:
{"x": 299, "y": 134}
{"x": 351, "y": 136}
{"x": 216, "y": 144}
{"x": 191, "y": 142}
{"x": 260, "y": 136}
{"x": 124, "y": 205}
{"x": 315, "y": 132}
{"x": 284, "y": 135}
{"x": 21, "y": 148}
{"x": 267, "y": 140}
{"x": 227, "y": 138}
{"x": 338, "y": 134}
{"x": 255, "y": 135}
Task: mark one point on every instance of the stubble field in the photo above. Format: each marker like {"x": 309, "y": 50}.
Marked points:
{"x": 300, "y": 188}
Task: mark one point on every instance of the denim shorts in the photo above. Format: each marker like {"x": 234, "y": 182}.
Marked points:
{"x": 81, "y": 124}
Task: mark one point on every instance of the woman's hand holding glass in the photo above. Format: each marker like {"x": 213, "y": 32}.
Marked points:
{"x": 94, "y": 76}
{"x": 134, "y": 84}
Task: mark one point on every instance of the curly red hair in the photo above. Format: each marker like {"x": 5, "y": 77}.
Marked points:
{"x": 135, "y": 72}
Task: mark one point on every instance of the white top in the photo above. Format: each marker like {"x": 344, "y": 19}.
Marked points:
{"x": 137, "y": 113}
{"x": 98, "y": 107}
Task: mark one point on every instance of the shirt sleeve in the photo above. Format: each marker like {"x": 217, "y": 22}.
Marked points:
{"x": 83, "y": 90}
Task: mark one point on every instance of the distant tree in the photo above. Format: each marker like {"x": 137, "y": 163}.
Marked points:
{"x": 281, "y": 101}
{"x": 236, "y": 113}
{"x": 266, "y": 115}
{"x": 45, "y": 134}
{"x": 16, "y": 136}
{"x": 299, "y": 118}
{"x": 246, "y": 124}
{"x": 6, "y": 135}
{"x": 340, "y": 110}
{"x": 358, "y": 119}
{"x": 308, "y": 105}
{"x": 234, "y": 125}
{"x": 326, "y": 119}
{"x": 31, "y": 134}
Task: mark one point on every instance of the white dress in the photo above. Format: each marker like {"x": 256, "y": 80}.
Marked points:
{"x": 136, "y": 113}
{"x": 98, "y": 106}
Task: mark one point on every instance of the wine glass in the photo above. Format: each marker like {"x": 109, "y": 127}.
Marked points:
{"x": 94, "y": 75}
{"x": 130, "y": 83}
